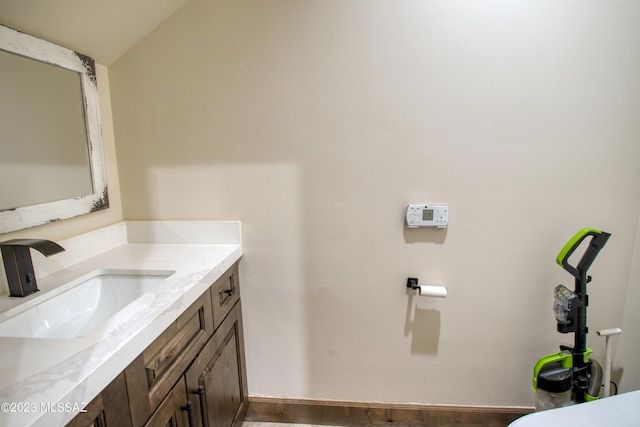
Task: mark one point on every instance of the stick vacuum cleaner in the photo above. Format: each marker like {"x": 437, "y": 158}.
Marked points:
{"x": 571, "y": 376}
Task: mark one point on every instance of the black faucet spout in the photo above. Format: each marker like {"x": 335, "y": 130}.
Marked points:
{"x": 18, "y": 266}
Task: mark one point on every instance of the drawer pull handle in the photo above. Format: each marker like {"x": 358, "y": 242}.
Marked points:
{"x": 229, "y": 292}
{"x": 189, "y": 408}
{"x": 200, "y": 392}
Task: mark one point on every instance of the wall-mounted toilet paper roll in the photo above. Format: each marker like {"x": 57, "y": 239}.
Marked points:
{"x": 433, "y": 291}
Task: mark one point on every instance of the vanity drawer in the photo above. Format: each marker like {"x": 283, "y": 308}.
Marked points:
{"x": 225, "y": 293}
{"x": 151, "y": 375}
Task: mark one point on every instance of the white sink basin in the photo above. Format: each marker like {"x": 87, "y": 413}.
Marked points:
{"x": 83, "y": 307}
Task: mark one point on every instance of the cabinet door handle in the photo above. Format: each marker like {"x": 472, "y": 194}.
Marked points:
{"x": 189, "y": 408}
{"x": 201, "y": 395}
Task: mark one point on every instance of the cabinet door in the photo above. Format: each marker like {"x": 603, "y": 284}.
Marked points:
{"x": 217, "y": 378}
{"x": 174, "y": 411}
{"x": 109, "y": 409}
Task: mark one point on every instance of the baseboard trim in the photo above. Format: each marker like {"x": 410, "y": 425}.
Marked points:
{"x": 341, "y": 413}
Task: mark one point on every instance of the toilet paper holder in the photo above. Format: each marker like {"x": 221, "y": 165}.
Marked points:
{"x": 426, "y": 291}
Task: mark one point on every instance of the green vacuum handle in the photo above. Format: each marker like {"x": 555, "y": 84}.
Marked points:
{"x": 598, "y": 239}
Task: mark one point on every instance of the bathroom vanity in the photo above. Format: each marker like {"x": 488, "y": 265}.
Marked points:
{"x": 174, "y": 356}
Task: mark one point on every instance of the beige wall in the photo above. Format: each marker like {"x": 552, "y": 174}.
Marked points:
{"x": 627, "y": 359}
{"x": 317, "y": 122}
{"x": 74, "y": 226}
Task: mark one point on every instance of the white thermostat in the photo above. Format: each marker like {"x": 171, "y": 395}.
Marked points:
{"x": 427, "y": 216}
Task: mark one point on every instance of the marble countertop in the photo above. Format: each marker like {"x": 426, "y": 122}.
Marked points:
{"x": 44, "y": 382}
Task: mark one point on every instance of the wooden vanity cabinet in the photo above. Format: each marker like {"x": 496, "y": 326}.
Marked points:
{"x": 153, "y": 374}
{"x": 213, "y": 391}
{"x": 195, "y": 369}
{"x": 192, "y": 375}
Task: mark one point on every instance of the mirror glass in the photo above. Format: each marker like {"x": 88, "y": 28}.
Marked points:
{"x": 52, "y": 164}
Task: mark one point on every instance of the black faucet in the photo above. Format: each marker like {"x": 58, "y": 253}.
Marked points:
{"x": 18, "y": 265}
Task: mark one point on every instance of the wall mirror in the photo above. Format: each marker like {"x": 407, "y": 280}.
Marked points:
{"x": 51, "y": 155}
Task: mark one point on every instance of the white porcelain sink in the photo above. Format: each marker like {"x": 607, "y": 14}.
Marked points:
{"x": 83, "y": 307}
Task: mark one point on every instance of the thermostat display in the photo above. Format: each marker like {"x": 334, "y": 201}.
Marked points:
{"x": 427, "y": 216}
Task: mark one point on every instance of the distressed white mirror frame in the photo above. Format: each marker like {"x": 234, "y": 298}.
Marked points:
{"x": 31, "y": 216}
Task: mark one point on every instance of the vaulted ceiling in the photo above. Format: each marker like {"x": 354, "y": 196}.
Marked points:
{"x": 103, "y": 29}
